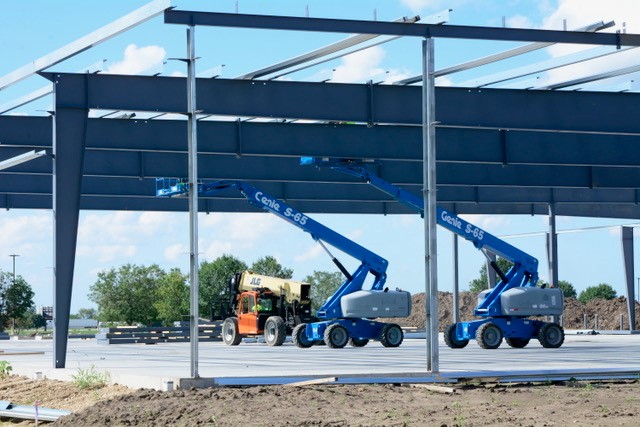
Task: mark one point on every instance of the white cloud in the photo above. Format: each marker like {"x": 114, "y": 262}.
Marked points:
{"x": 218, "y": 248}
{"x": 491, "y": 223}
{"x": 313, "y": 252}
{"x": 363, "y": 66}
{"x": 106, "y": 253}
{"x": 138, "y": 59}
{"x": 25, "y": 229}
{"x": 421, "y": 5}
{"x": 175, "y": 252}
{"x": 519, "y": 21}
{"x": 578, "y": 13}
{"x": 359, "y": 66}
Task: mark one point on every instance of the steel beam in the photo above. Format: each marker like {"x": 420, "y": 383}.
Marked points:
{"x": 186, "y": 17}
{"x": 391, "y": 142}
{"x": 12, "y": 184}
{"x": 373, "y": 104}
{"x": 68, "y": 149}
{"x": 229, "y": 204}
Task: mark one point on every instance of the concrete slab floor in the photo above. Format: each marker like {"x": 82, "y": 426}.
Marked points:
{"x": 162, "y": 365}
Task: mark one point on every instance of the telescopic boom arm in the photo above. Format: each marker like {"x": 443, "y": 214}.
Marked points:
{"x": 370, "y": 262}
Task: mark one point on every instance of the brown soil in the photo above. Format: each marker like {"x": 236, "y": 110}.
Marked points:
{"x": 558, "y": 404}
{"x": 608, "y": 312}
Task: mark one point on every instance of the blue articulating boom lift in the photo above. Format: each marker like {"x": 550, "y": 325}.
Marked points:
{"x": 504, "y": 309}
{"x": 347, "y": 316}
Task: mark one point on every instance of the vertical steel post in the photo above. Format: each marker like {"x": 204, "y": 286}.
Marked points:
{"x": 553, "y": 247}
{"x": 429, "y": 195}
{"x": 553, "y": 251}
{"x": 193, "y": 198}
{"x": 627, "y": 256}
{"x": 456, "y": 287}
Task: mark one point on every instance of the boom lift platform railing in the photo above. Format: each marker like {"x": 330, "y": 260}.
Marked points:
{"x": 350, "y": 311}
{"x": 506, "y": 308}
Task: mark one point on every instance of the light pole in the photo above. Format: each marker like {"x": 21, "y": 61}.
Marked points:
{"x": 14, "y": 266}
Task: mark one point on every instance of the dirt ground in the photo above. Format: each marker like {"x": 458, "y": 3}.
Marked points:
{"x": 472, "y": 404}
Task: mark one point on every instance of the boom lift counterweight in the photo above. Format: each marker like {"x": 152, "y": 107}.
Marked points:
{"x": 348, "y": 314}
{"x": 506, "y": 308}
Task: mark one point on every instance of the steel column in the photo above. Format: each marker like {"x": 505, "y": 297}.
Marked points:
{"x": 193, "y": 199}
{"x": 429, "y": 194}
{"x": 69, "y": 136}
{"x": 552, "y": 247}
{"x": 627, "y": 253}
{"x": 552, "y": 251}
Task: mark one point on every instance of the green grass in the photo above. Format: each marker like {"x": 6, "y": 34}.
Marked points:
{"x": 5, "y": 368}
{"x": 91, "y": 378}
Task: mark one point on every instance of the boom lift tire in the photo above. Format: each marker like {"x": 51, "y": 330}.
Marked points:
{"x": 230, "y": 334}
{"x": 489, "y": 336}
{"x": 275, "y": 331}
{"x": 517, "y": 342}
{"x": 299, "y": 336}
{"x": 551, "y": 335}
{"x": 336, "y": 336}
{"x": 391, "y": 335}
{"x": 358, "y": 342}
{"x": 450, "y": 338}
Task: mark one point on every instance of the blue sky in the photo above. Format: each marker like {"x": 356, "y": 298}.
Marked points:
{"x": 110, "y": 239}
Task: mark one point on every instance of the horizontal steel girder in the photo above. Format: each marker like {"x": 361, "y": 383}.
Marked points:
{"x": 390, "y": 142}
{"x": 132, "y": 164}
{"x": 12, "y": 183}
{"x": 577, "y": 111}
{"x": 186, "y": 17}
{"x": 26, "y": 201}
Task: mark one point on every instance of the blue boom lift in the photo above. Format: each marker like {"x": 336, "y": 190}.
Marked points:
{"x": 348, "y": 314}
{"x": 504, "y": 309}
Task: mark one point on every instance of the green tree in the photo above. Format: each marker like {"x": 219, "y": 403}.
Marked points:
{"x": 16, "y": 298}
{"x": 31, "y": 320}
{"x": 173, "y": 297}
{"x": 323, "y": 285}
{"x": 269, "y": 266}
{"x": 602, "y": 291}
{"x": 567, "y": 289}
{"x": 128, "y": 294}
{"x": 482, "y": 282}
{"x": 87, "y": 313}
{"x": 214, "y": 279}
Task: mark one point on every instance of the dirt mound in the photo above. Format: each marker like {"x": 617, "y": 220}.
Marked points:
{"x": 605, "y": 312}
{"x": 336, "y": 405}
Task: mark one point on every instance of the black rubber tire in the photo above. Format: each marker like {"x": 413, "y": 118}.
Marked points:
{"x": 230, "y": 334}
{"x": 275, "y": 331}
{"x": 551, "y": 335}
{"x": 489, "y": 336}
{"x": 336, "y": 336}
{"x": 358, "y": 342}
{"x": 299, "y": 336}
{"x": 391, "y": 335}
{"x": 450, "y": 338}
{"x": 517, "y": 342}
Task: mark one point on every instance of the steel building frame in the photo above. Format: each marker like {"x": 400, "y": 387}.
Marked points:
{"x": 575, "y": 151}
